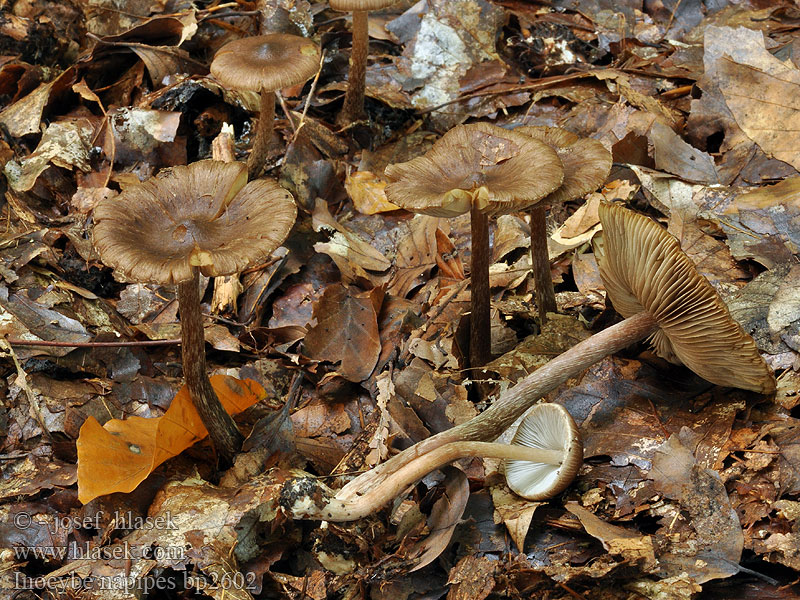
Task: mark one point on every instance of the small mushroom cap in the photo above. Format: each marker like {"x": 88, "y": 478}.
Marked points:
{"x": 644, "y": 269}
{"x": 355, "y": 5}
{"x": 550, "y": 427}
{"x": 586, "y": 161}
{"x": 495, "y": 169}
{"x": 203, "y": 215}
{"x": 266, "y": 62}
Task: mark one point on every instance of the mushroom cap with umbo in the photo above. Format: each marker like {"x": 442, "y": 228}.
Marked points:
{"x": 203, "y": 215}
{"x": 546, "y": 426}
{"x": 266, "y": 62}
{"x": 644, "y": 269}
{"x": 586, "y": 161}
{"x": 347, "y": 5}
{"x": 496, "y": 169}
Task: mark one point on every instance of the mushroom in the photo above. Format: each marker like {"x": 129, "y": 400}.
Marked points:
{"x": 264, "y": 64}
{"x": 481, "y": 169}
{"x": 586, "y": 166}
{"x": 353, "y": 107}
{"x": 655, "y": 285}
{"x": 541, "y": 461}
{"x": 202, "y": 218}
{"x": 546, "y": 426}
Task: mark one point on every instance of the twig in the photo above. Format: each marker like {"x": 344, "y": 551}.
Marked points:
{"x": 55, "y": 344}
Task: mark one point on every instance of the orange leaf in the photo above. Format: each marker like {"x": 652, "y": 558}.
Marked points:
{"x": 118, "y": 456}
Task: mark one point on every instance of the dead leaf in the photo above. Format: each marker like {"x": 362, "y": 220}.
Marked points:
{"x": 347, "y": 330}
{"x": 119, "y": 455}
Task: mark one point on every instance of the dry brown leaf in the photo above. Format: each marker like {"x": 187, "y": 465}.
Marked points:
{"x": 347, "y": 330}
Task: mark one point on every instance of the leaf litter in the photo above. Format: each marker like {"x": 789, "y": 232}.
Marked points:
{"x": 687, "y": 489}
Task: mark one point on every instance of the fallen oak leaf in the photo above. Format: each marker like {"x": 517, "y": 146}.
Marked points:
{"x": 118, "y": 456}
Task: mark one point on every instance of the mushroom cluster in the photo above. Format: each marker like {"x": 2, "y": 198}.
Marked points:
{"x": 487, "y": 170}
{"x": 483, "y": 170}
{"x": 202, "y": 218}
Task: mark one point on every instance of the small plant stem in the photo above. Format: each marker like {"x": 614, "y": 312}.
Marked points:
{"x": 353, "y": 108}
{"x": 352, "y": 509}
{"x": 264, "y": 129}
{"x": 515, "y": 401}
{"x": 480, "y": 333}
{"x": 222, "y": 430}
{"x": 540, "y": 263}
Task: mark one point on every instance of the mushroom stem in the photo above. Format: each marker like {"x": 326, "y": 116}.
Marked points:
{"x": 222, "y": 430}
{"x": 353, "y": 108}
{"x": 480, "y": 333}
{"x": 516, "y": 400}
{"x": 264, "y": 129}
{"x": 540, "y": 263}
{"x": 353, "y": 508}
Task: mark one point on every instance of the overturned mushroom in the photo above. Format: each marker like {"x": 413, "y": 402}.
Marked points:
{"x": 541, "y": 461}
{"x": 481, "y": 169}
{"x": 586, "y": 166}
{"x": 652, "y": 282}
{"x": 203, "y": 218}
{"x": 264, "y": 64}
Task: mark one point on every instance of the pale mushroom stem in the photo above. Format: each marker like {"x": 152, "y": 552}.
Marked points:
{"x": 222, "y": 430}
{"x": 515, "y": 401}
{"x": 353, "y": 108}
{"x": 351, "y": 509}
{"x": 264, "y": 129}
{"x": 480, "y": 332}
{"x": 540, "y": 263}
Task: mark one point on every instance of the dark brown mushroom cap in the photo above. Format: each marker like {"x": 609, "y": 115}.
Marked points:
{"x": 346, "y": 5}
{"x": 496, "y": 169}
{"x": 586, "y": 161}
{"x": 546, "y": 426}
{"x": 204, "y": 215}
{"x": 644, "y": 269}
{"x": 266, "y": 62}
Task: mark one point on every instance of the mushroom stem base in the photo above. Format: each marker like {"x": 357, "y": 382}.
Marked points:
{"x": 353, "y": 107}
{"x": 348, "y": 508}
{"x": 480, "y": 331}
{"x": 540, "y": 263}
{"x": 515, "y": 401}
{"x": 222, "y": 430}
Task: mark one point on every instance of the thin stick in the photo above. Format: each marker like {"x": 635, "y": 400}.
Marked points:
{"x": 51, "y": 343}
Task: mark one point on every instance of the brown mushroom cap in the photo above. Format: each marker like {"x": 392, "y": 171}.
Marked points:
{"x": 586, "y": 161}
{"x": 204, "y": 215}
{"x": 266, "y": 62}
{"x": 497, "y": 169}
{"x": 644, "y": 269}
{"x": 548, "y": 427}
{"x": 346, "y": 5}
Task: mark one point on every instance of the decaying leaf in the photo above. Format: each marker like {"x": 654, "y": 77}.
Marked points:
{"x": 347, "y": 330}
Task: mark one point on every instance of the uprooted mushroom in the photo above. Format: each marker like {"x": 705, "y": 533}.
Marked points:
{"x": 542, "y": 459}
{"x": 187, "y": 220}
